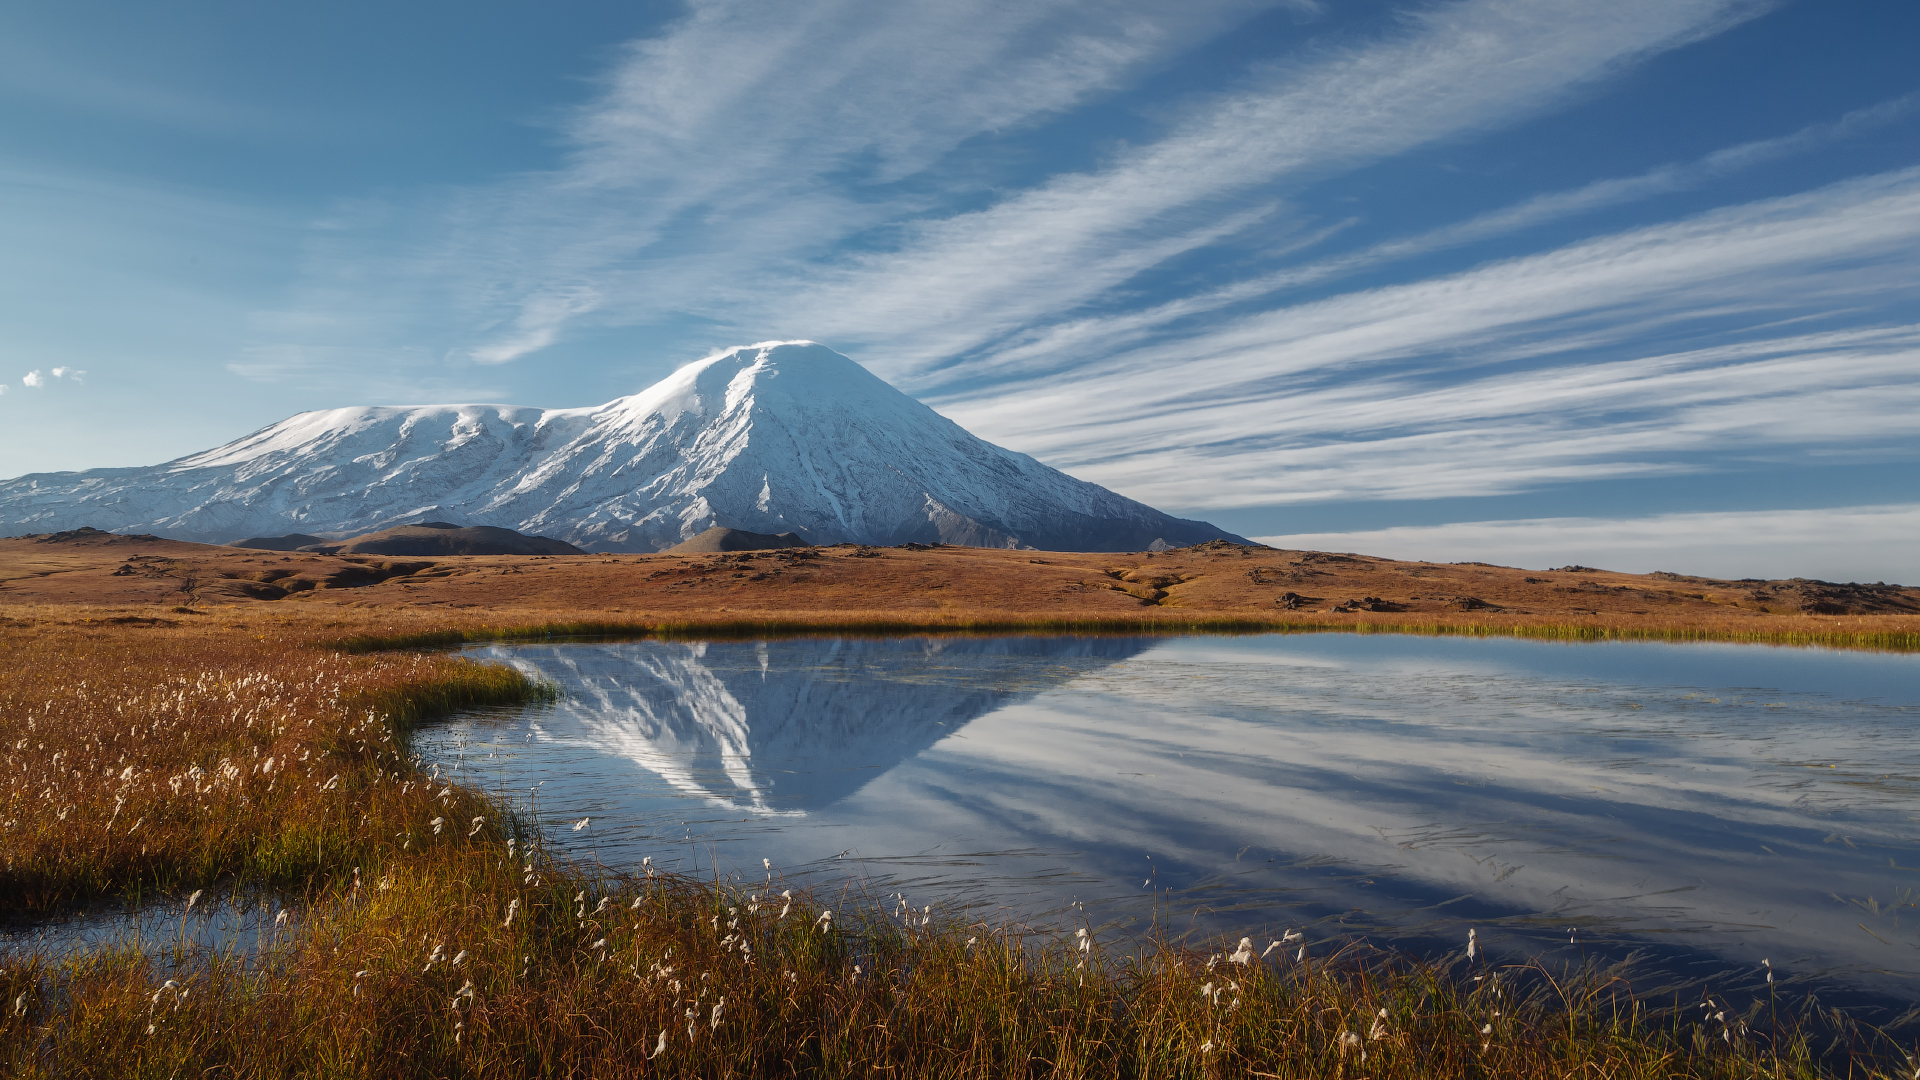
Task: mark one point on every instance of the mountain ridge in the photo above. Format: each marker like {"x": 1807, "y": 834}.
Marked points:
{"x": 772, "y": 438}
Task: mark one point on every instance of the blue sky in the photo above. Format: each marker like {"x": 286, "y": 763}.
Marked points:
{"x": 1629, "y": 284}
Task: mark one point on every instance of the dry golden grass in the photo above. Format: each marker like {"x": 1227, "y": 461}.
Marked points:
{"x": 1212, "y": 586}
{"x": 137, "y": 762}
{"x": 462, "y": 961}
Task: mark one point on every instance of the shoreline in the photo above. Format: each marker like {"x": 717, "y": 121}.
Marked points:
{"x": 1901, "y": 641}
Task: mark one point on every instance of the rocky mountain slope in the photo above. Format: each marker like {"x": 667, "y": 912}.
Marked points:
{"x": 770, "y": 438}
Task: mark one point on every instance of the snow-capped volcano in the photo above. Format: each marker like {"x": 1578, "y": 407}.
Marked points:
{"x": 770, "y": 438}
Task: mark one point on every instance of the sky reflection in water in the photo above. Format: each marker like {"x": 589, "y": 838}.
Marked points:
{"x": 1727, "y": 802}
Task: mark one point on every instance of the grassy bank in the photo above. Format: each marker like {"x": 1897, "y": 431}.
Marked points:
{"x": 430, "y": 943}
{"x": 361, "y": 644}
{"x": 136, "y": 764}
{"x": 462, "y": 961}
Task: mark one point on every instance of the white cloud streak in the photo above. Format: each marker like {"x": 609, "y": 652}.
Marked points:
{"x": 1362, "y": 395}
{"x": 33, "y": 379}
{"x": 751, "y": 128}
{"x": 1062, "y": 344}
{"x": 966, "y": 281}
{"x": 730, "y": 161}
{"x": 1857, "y": 543}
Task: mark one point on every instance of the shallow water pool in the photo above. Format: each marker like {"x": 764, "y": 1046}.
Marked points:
{"x": 1715, "y": 804}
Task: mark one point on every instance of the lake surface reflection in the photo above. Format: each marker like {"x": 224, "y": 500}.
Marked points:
{"x": 1724, "y": 803}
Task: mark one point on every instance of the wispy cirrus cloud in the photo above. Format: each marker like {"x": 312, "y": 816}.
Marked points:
{"x": 803, "y": 168}
{"x": 963, "y": 282}
{"x": 753, "y": 136}
{"x": 1070, "y": 341}
{"x": 1852, "y": 543}
{"x": 1374, "y": 394}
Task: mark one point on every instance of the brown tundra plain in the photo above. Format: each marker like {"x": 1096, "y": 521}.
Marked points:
{"x": 186, "y": 725}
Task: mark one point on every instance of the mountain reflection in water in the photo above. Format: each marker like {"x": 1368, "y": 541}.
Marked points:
{"x": 1729, "y": 802}
{"x": 779, "y": 728}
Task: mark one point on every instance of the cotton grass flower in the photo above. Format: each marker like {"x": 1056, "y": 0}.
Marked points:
{"x": 1244, "y": 954}
{"x": 581, "y": 824}
{"x": 1350, "y": 1041}
{"x": 1472, "y": 943}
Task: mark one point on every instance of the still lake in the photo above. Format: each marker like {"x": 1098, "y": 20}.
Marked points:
{"x": 1708, "y": 805}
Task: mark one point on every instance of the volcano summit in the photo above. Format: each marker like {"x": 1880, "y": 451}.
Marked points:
{"x": 771, "y": 438}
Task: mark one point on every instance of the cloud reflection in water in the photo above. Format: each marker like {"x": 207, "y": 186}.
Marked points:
{"x": 1740, "y": 801}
